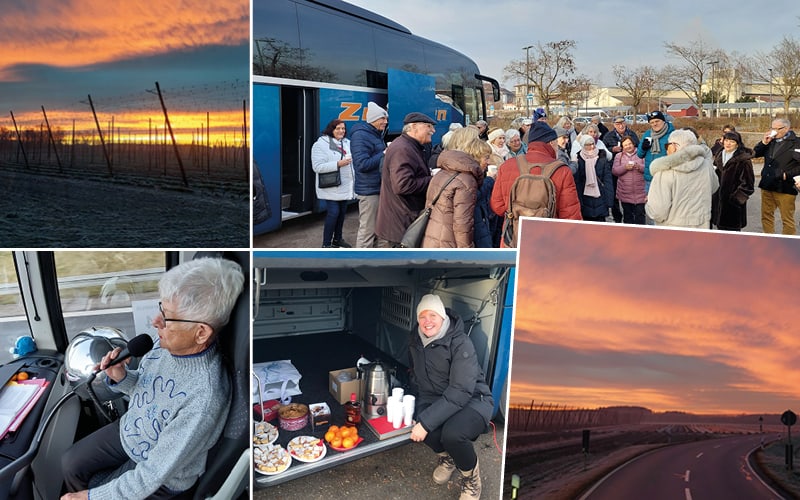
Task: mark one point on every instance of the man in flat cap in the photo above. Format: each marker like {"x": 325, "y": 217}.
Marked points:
{"x": 405, "y": 178}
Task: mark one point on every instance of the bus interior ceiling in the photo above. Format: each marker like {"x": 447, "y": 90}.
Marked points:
{"x": 324, "y": 320}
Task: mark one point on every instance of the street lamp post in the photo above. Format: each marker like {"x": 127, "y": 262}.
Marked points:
{"x": 770, "y": 92}
{"x": 713, "y": 74}
{"x": 527, "y": 78}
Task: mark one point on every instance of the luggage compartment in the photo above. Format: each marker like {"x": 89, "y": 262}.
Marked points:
{"x": 324, "y": 310}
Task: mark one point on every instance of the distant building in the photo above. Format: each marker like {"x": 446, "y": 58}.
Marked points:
{"x": 683, "y": 110}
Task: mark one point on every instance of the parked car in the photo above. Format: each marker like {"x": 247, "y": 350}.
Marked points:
{"x": 583, "y": 120}
{"x": 640, "y": 119}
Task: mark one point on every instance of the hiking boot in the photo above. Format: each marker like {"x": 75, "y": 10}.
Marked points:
{"x": 470, "y": 484}
{"x": 442, "y": 472}
{"x": 340, "y": 244}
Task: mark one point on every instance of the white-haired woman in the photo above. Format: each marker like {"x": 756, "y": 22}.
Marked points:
{"x": 454, "y": 404}
{"x": 180, "y": 392}
{"x": 592, "y": 131}
{"x": 593, "y": 181}
{"x": 514, "y": 143}
{"x": 683, "y": 183}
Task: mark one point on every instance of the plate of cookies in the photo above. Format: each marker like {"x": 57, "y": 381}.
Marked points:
{"x": 307, "y": 448}
{"x": 271, "y": 459}
{"x": 264, "y": 433}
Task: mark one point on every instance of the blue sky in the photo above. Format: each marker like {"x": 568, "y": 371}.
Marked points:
{"x": 621, "y": 32}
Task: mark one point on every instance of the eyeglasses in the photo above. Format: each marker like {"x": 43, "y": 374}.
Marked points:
{"x": 164, "y": 318}
{"x": 779, "y": 128}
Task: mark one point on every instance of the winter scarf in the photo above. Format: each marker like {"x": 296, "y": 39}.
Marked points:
{"x": 655, "y": 138}
{"x": 591, "y": 188}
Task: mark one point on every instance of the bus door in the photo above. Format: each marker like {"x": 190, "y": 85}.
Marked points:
{"x": 299, "y": 129}
{"x": 266, "y": 137}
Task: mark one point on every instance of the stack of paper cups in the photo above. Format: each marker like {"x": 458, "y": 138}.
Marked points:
{"x": 408, "y": 409}
{"x": 391, "y": 404}
{"x": 397, "y": 393}
{"x": 397, "y": 418}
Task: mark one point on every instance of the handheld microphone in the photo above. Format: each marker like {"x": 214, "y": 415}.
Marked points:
{"x": 137, "y": 347}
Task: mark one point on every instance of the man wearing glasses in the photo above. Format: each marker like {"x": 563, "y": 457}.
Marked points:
{"x": 405, "y": 179}
{"x": 780, "y": 149}
{"x": 179, "y": 395}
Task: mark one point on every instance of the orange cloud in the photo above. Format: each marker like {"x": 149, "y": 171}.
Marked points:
{"x": 642, "y": 291}
{"x": 85, "y": 32}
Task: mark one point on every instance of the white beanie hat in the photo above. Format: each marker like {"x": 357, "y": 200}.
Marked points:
{"x": 495, "y": 133}
{"x": 375, "y": 112}
{"x": 433, "y": 303}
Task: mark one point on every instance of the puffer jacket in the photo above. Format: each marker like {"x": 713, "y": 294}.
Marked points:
{"x": 590, "y": 206}
{"x": 567, "y": 204}
{"x": 324, "y": 159}
{"x": 485, "y": 220}
{"x": 404, "y": 184}
{"x": 779, "y": 158}
{"x": 630, "y": 183}
{"x": 367, "y": 144}
{"x": 447, "y": 377}
{"x": 736, "y": 185}
{"x": 452, "y": 220}
{"x": 683, "y": 182}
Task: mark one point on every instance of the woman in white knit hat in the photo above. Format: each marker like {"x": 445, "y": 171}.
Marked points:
{"x": 497, "y": 140}
{"x": 454, "y": 403}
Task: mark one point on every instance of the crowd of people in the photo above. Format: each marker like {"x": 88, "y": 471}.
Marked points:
{"x": 668, "y": 177}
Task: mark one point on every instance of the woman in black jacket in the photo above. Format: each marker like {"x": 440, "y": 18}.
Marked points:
{"x": 454, "y": 403}
{"x": 734, "y": 167}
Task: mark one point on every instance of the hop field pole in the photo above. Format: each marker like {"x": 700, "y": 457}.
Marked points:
{"x": 172, "y": 136}
{"x": 52, "y": 140}
{"x": 102, "y": 140}
{"x": 19, "y": 140}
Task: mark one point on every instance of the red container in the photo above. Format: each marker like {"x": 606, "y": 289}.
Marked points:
{"x": 293, "y": 417}
{"x": 269, "y": 410}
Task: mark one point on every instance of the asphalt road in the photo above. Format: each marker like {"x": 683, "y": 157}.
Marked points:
{"x": 306, "y": 232}
{"x": 396, "y": 474}
{"x": 715, "y": 468}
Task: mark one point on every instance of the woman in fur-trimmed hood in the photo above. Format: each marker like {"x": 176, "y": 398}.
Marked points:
{"x": 683, "y": 183}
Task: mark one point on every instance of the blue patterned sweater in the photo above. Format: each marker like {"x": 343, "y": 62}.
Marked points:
{"x": 177, "y": 408}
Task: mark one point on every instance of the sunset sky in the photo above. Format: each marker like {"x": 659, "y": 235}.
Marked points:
{"x": 705, "y": 322}
{"x": 56, "y": 53}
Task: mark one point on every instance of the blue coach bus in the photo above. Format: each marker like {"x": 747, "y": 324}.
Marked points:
{"x": 316, "y": 60}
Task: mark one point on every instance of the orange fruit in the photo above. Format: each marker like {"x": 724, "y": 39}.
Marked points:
{"x": 344, "y": 432}
{"x": 354, "y": 435}
{"x": 336, "y": 443}
{"x": 348, "y": 442}
{"x": 22, "y": 376}
{"x": 333, "y": 428}
{"x": 329, "y": 436}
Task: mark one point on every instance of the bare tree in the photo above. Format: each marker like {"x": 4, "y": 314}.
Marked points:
{"x": 784, "y": 61}
{"x": 574, "y": 91}
{"x": 638, "y": 82}
{"x": 550, "y": 64}
{"x": 690, "y": 76}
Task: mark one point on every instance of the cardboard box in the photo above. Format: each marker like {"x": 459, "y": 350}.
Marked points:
{"x": 341, "y": 390}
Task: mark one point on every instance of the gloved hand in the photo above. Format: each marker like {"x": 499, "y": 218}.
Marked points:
{"x": 646, "y": 144}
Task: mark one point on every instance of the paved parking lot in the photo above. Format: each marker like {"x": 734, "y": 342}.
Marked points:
{"x": 306, "y": 232}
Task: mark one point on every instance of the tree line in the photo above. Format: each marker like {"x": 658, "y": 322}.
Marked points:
{"x": 549, "y": 69}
